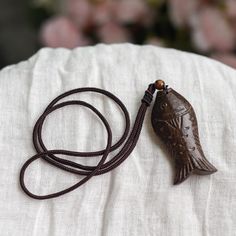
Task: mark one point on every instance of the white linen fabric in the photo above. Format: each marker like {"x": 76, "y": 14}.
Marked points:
{"x": 138, "y": 197}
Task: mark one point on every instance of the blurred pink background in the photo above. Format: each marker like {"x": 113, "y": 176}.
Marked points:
{"x": 206, "y": 27}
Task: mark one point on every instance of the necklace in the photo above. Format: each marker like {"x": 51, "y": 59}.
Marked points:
{"x": 173, "y": 120}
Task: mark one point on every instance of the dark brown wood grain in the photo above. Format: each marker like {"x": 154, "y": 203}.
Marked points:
{"x": 175, "y": 122}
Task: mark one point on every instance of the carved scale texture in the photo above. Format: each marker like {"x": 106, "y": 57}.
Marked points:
{"x": 177, "y": 128}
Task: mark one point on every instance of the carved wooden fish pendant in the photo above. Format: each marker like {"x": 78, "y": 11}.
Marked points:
{"x": 174, "y": 121}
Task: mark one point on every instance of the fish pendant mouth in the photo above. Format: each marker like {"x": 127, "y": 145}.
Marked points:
{"x": 162, "y": 93}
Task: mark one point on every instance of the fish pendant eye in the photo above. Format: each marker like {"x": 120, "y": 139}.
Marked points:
{"x": 164, "y": 105}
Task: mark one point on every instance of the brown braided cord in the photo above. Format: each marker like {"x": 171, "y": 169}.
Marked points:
{"x": 76, "y": 168}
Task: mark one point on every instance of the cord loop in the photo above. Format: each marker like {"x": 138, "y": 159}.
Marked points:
{"x": 103, "y": 166}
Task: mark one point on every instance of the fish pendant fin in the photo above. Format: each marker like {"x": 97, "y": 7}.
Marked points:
{"x": 174, "y": 123}
{"x": 183, "y": 172}
{"x": 203, "y": 166}
{"x": 200, "y": 166}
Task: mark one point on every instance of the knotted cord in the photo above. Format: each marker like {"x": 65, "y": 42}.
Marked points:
{"x": 70, "y": 166}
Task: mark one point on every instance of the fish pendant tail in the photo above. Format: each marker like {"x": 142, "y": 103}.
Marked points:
{"x": 195, "y": 165}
